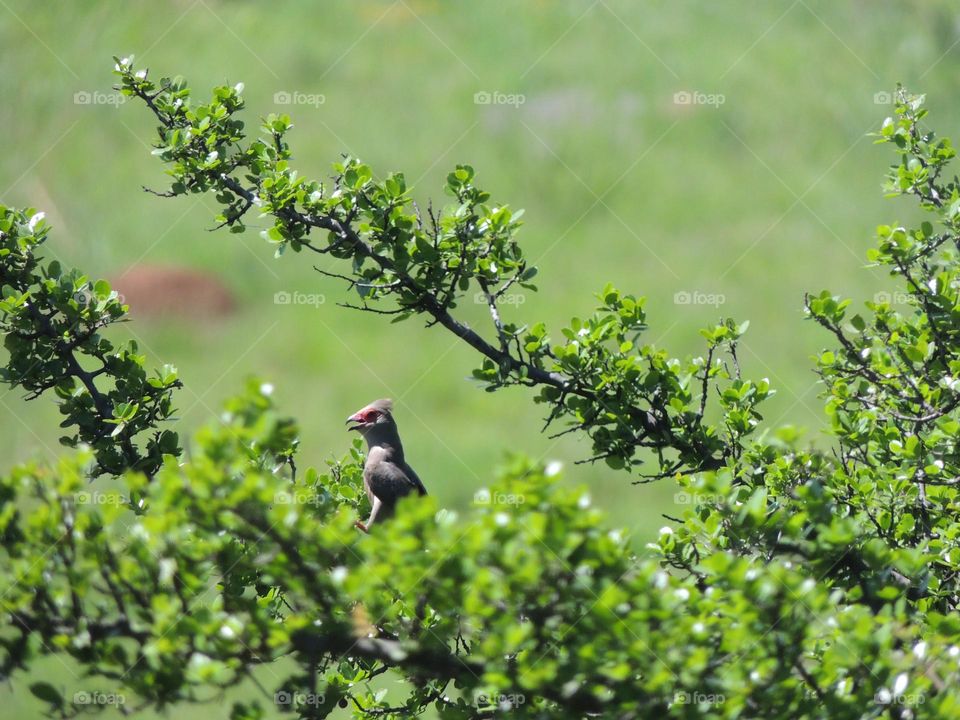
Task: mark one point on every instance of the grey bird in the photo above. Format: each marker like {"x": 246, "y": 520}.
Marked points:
{"x": 386, "y": 475}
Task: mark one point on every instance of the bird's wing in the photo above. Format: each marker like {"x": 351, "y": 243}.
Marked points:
{"x": 389, "y": 481}
{"x": 414, "y": 479}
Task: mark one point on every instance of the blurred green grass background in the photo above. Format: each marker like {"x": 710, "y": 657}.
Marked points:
{"x": 771, "y": 193}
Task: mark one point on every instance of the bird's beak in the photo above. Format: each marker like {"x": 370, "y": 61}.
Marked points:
{"x": 355, "y": 418}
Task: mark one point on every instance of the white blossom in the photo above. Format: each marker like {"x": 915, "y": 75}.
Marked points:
{"x": 168, "y": 567}
{"x": 900, "y": 684}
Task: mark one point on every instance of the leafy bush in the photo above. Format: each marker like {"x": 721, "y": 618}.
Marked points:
{"x": 800, "y": 582}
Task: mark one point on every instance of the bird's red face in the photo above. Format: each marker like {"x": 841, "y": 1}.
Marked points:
{"x": 368, "y": 417}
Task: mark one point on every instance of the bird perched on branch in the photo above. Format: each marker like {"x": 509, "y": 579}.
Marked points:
{"x": 386, "y": 475}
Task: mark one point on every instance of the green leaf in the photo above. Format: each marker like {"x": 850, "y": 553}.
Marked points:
{"x": 47, "y": 693}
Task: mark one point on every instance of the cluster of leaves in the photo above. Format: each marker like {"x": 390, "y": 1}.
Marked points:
{"x": 526, "y": 603}
{"x": 799, "y": 583}
{"x": 631, "y": 398}
{"x": 876, "y": 521}
{"x": 894, "y": 382}
{"x": 53, "y": 322}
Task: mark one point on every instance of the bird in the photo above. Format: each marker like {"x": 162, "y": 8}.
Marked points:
{"x": 386, "y": 475}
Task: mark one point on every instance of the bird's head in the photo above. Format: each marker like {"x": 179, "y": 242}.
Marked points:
{"x": 372, "y": 418}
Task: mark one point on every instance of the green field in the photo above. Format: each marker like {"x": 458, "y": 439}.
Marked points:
{"x": 765, "y": 185}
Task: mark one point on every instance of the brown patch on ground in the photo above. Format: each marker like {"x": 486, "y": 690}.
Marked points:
{"x": 157, "y": 291}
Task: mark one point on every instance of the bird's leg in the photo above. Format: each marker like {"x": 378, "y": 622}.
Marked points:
{"x": 373, "y": 515}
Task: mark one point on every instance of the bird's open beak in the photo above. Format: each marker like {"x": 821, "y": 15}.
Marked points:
{"x": 355, "y": 419}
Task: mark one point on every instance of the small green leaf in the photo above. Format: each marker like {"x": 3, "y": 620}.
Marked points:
{"x": 48, "y": 693}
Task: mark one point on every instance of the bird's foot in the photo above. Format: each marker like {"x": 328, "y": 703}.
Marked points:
{"x": 361, "y": 526}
